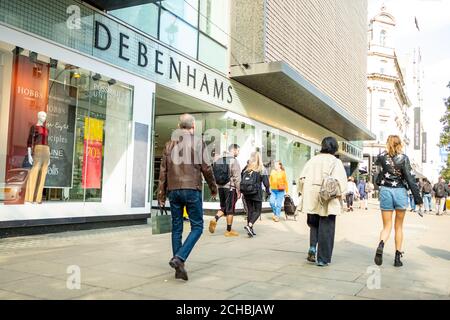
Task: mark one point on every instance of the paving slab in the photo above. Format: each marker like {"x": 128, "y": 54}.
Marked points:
{"x": 109, "y": 280}
{"x": 131, "y": 269}
{"x": 46, "y": 288}
{"x": 399, "y": 294}
{"x": 319, "y": 285}
{"x": 8, "y": 276}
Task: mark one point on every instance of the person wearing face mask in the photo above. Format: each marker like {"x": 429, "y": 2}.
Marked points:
{"x": 39, "y": 158}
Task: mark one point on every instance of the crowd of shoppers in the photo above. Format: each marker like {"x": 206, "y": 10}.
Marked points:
{"x": 322, "y": 187}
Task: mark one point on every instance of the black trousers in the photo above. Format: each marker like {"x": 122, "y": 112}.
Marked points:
{"x": 349, "y": 199}
{"x": 321, "y": 234}
{"x": 254, "y": 209}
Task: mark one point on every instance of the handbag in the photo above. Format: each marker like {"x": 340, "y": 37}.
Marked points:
{"x": 25, "y": 163}
{"x": 161, "y": 223}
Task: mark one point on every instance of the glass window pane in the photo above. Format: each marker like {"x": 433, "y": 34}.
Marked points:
{"x": 185, "y": 9}
{"x": 213, "y": 54}
{"x": 65, "y": 131}
{"x": 214, "y": 19}
{"x": 178, "y": 34}
{"x": 143, "y": 17}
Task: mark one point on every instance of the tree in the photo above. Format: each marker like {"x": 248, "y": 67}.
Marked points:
{"x": 444, "y": 140}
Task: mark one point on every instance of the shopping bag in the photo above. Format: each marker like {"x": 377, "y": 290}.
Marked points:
{"x": 162, "y": 222}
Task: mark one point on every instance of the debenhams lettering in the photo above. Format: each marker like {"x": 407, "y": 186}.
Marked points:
{"x": 177, "y": 71}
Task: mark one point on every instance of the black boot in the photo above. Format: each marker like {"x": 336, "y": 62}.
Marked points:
{"x": 397, "y": 261}
{"x": 379, "y": 254}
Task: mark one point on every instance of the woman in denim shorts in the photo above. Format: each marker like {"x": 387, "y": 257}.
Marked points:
{"x": 395, "y": 178}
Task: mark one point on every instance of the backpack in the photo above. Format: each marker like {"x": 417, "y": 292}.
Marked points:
{"x": 289, "y": 206}
{"x": 330, "y": 188}
{"x": 221, "y": 170}
{"x": 440, "y": 190}
{"x": 250, "y": 183}
{"x": 427, "y": 188}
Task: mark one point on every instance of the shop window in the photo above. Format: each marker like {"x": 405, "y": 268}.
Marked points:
{"x": 178, "y": 34}
{"x": 65, "y": 131}
{"x": 214, "y": 20}
{"x": 185, "y": 9}
{"x": 212, "y": 53}
{"x": 383, "y": 38}
{"x": 143, "y": 17}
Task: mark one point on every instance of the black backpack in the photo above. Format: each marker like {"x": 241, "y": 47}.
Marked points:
{"x": 250, "y": 183}
{"x": 289, "y": 206}
{"x": 221, "y": 170}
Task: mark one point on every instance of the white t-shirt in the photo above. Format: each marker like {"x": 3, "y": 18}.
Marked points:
{"x": 351, "y": 187}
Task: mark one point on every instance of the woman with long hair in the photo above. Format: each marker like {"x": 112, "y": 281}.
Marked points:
{"x": 395, "y": 177}
{"x": 256, "y": 173}
{"x": 278, "y": 189}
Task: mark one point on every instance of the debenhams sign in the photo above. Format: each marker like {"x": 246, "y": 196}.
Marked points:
{"x": 137, "y": 53}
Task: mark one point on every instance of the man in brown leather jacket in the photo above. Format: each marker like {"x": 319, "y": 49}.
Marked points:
{"x": 184, "y": 161}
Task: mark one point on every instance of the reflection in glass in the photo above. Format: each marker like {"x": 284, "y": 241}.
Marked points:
{"x": 143, "y": 17}
{"x": 214, "y": 19}
{"x": 185, "y": 9}
{"x": 212, "y": 53}
{"x": 178, "y": 34}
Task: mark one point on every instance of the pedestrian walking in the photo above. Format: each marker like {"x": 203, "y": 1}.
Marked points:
{"x": 326, "y": 170}
{"x": 427, "y": 189}
{"x": 395, "y": 177}
{"x": 412, "y": 203}
{"x": 182, "y": 166}
{"x": 278, "y": 189}
{"x": 362, "y": 190}
{"x": 254, "y": 176}
{"x": 227, "y": 173}
{"x": 370, "y": 188}
{"x": 352, "y": 192}
{"x": 441, "y": 192}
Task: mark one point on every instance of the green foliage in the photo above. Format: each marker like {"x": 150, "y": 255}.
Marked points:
{"x": 444, "y": 140}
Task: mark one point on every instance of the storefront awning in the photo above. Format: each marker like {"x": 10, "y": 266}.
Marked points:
{"x": 281, "y": 83}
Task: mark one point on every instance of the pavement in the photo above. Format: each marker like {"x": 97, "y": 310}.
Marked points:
{"x": 131, "y": 263}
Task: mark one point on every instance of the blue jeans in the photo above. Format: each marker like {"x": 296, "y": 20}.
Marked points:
{"x": 276, "y": 201}
{"x": 427, "y": 201}
{"x": 192, "y": 200}
{"x": 412, "y": 204}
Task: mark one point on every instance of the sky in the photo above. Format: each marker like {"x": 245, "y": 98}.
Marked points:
{"x": 433, "y": 18}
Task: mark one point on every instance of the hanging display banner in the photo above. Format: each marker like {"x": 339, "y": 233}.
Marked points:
{"x": 29, "y": 95}
{"x": 61, "y": 125}
{"x": 416, "y": 128}
{"x": 424, "y": 147}
{"x": 93, "y": 153}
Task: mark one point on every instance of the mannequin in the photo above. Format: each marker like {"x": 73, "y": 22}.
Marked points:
{"x": 39, "y": 158}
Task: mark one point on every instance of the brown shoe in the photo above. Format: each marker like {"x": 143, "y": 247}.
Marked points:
{"x": 276, "y": 219}
{"x": 231, "y": 233}
{"x": 178, "y": 265}
{"x": 212, "y": 225}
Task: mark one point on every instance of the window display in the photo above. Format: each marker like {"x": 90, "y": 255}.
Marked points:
{"x": 65, "y": 131}
{"x": 39, "y": 158}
